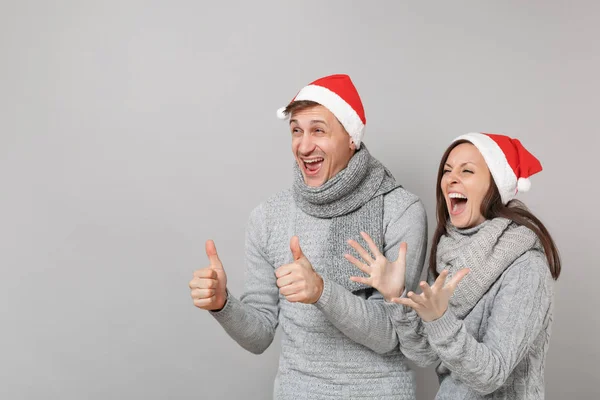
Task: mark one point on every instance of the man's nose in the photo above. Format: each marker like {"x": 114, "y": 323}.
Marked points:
{"x": 307, "y": 144}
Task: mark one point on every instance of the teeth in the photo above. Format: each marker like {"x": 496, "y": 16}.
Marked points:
{"x": 313, "y": 161}
{"x": 457, "y": 196}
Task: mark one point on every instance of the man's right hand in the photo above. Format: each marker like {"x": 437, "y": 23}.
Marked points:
{"x": 385, "y": 276}
{"x": 209, "y": 286}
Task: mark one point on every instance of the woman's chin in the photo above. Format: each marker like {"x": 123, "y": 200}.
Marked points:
{"x": 461, "y": 221}
{"x": 459, "y": 225}
{"x": 457, "y": 220}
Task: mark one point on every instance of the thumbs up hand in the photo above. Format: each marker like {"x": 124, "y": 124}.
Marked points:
{"x": 298, "y": 281}
{"x": 209, "y": 285}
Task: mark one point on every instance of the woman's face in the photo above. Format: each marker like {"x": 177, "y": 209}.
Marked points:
{"x": 465, "y": 182}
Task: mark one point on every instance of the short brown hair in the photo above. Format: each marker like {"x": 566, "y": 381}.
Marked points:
{"x": 297, "y": 106}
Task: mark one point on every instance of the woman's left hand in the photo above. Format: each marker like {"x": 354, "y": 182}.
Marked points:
{"x": 433, "y": 302}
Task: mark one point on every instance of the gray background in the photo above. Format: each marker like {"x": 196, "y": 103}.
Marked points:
{"x": 131, "y": 132}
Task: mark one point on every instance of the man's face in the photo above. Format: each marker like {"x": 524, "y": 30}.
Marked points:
{"x": 321, "y": 145}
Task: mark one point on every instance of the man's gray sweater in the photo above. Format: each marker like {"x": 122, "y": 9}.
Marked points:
{"x": 345, "y": 345}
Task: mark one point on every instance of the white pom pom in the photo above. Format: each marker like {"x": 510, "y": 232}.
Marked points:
{"x": 523, "y": 184}
{"x": 281, "y": 114}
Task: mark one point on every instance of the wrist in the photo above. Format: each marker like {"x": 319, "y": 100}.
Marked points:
{"x": 393, "y": 295}
{"x": 319, "y": 286}
{"x": 431, "y": 318}
{"x": 388, "y": 298}
{"x": 223, "y": 303}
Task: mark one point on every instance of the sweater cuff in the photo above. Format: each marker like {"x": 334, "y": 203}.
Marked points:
{"x": 445, "y": 326}
{"x": 326, "y": 295}
{"x": 225, "y": 313}
{"x": 399, "y": 313}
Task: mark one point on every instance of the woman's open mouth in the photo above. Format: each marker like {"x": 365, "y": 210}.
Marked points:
{"x": 458, "y": 203}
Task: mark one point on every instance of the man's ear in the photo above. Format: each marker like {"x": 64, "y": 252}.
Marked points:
{"x": 352, "y": 144}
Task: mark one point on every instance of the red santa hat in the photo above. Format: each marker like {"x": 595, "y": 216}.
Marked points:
{"x": 338, "y": 94}
{"x": 509, "y": 162}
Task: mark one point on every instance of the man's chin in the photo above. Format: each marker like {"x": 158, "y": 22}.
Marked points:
{"x": 313, "y": 184}
{"x": 313, "y": 181}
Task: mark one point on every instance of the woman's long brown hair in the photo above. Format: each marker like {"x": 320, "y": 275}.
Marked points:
{"x": 492, "y": 207}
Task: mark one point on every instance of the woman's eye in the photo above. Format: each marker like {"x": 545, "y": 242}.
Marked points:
{"x": 446, "y": 171}
{"x": 468, "y": 171}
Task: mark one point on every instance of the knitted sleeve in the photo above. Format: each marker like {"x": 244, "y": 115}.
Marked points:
{"x": 252, "y": 320}
{"x": 367, "y": 321}
{"x": 411, "y": 334}
{"x": 519, "y": 310}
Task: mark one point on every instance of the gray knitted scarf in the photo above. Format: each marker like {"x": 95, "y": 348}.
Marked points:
{"x": 353, "y": 199}
{"x": 488, "y": 250}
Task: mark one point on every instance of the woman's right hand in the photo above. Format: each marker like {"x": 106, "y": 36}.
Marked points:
{"x": 385, "y": 276}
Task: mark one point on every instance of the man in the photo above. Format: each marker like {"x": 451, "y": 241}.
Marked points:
{"x": 339, "y": 341}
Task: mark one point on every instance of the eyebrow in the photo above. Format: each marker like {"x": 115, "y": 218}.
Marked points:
{"x": 462, "y": 165}
{"x": 312, "y": 122}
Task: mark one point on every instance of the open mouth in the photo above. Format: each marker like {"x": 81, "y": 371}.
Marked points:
{"x": 312, "y": 165}
{"x": 458, "y": 203}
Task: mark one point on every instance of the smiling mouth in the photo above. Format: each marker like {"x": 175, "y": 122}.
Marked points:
{"x": 312, "y": 166}
{"x": 458, "y": 203}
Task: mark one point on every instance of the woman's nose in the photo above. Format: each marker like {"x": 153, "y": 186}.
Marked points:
{"x": 452, "y": 177}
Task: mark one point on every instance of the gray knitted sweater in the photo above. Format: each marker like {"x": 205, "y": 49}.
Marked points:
{"x": 345, "y": 345}
{"x": 498, "y": 350}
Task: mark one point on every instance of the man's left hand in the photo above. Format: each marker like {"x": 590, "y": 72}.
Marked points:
{"x": 298, "y": 281}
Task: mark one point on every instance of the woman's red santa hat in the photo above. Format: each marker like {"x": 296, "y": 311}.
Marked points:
{"x": 509, "y": 162}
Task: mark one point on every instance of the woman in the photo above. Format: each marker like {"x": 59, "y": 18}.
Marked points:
{"x": 489, "y": 334}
